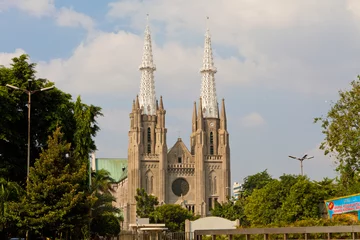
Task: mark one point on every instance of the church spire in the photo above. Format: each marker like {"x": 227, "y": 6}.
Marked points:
{"x": 208, "y": 89}
{"x": 147, "y": 98}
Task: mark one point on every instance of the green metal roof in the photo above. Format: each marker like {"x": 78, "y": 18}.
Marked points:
{"x": 116, "y": 166}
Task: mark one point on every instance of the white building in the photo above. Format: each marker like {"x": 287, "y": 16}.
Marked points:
{"x": 237, "y": 188}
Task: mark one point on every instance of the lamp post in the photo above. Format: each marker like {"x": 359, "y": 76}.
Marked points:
{"x": 29, "y": 92}
{"x": 301, "y": 161}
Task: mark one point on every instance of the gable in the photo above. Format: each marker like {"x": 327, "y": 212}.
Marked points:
{"x": 179, "y": 150}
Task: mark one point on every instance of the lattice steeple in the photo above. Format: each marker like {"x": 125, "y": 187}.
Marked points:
{"x": 147, "y": 97}
{"x": 208, "y": 88}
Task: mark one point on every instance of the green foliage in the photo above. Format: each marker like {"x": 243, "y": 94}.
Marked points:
{"x": 289, "y": 199}
{"x": 145, "y": 204}
{"x": 263, "y": 205}
{"x": 49, "y": 110}
{"x": 256, "y": 181}
{"x": 105, "y": 225}
{"x": 302, "y": 202}
{"x": 232, "y": 210}
{"x": 104, "y": 220}
{"x": 341, "y": 127}
{"x": 9, "y": 192}
{"x": 173, "y": 215}
{"x": 56, "y": 199}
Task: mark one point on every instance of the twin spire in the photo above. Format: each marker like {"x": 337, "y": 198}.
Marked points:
{"x": 147, "y": 97}
{"x": 208, "y": 89}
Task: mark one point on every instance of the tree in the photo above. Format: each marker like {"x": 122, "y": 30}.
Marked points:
{"x": 173, "y": 215}
{"x": 263, "y": 205}
{"x": 9, "y": 192}
{"x": 55, "y": 203}
{"x": 302, "y": 201}
{"x": 106, "y": 225}
{"x": 104, "y": 216}
{"x": 145, "y": 204}
{"x": 232, "y": 209}
{"x": 50, "y": 109}
{"x": 256, "y": 181}
{"x": 341, "y": 127}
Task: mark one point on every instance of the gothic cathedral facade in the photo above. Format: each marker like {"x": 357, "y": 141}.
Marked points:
{"x": 195, "y": 178}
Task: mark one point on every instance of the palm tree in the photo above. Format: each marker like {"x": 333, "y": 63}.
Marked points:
{"x": 9, "y": 191}
{"x": 101, "y": 181}
{"x": 102, "y": 198}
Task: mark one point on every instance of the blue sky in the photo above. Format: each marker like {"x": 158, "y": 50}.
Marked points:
{"x": 280, "y": 64}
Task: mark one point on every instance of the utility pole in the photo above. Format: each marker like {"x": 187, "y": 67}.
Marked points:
{"x": 301, "y": 161}
{"x": 29, "y": 92}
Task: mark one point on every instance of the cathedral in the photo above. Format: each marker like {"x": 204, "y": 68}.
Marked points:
{"x": 195, "y": 178}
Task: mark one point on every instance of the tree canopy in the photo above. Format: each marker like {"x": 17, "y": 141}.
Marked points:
{"x": 145, "y": 203}
{"x": 341, "y": 127}
{"x": 56, "y": 197}
{"x": 49, "y": 110}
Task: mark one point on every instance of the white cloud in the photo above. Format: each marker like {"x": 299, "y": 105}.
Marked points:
{"x": 253, "y": 120}
{"x": 65, "y": 17}
{"x": 106, "y": 64}
{"x": 6, "y": 58}
{"x": 69, "y": 18}
{"x": 282, "y": 44}
{"x": 38, "y": 8}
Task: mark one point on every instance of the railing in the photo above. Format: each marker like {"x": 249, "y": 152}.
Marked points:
{"x": 329, "y": 232}
{"x": 154, "y": 236}
{"x": 182, "y": 165}
{"x": 213, "y": 157}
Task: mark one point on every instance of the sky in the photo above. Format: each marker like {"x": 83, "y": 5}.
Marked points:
{"x": 280, "y": 64}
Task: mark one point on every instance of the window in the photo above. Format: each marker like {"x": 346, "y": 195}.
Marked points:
{"x": 214, "y": 187}
{"x": 149, "y": 182}
{"x": 149, "y": 134}
{"x": 211, "y": 143}
{"x": 211, "y": 150}
{"x": 179, "y": 160}
{"x": 211, "y": 185}
{"x": 149, "y": 140}
{"x": 192, "y": 150}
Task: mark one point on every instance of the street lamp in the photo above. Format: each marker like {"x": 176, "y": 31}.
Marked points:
{"x": 29, "y": 92}
{"x": 301, "y": 161}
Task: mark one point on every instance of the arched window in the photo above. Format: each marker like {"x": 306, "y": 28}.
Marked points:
{"x": 211, "y": 150}
{"x": 149, "y": 140}
{"x": 149, "y": 134}
{"x": 215, "y": 186}
{"x": 210, "y": 185}
{"x": 149, "y": 182}
{"x": 211, "y": 143}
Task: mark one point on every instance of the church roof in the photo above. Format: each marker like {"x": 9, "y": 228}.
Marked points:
{"x": 116, "y": 166}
